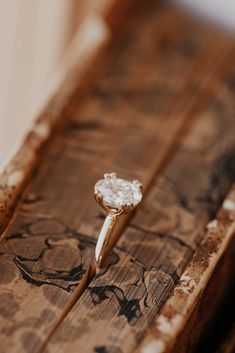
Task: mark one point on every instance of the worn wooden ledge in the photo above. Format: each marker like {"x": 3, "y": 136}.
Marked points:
{"x": 197, "y": 295}
{"x": 151, "y": 255}
{"x": 159, "y": 108}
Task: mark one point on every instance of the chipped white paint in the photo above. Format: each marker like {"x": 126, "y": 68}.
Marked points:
{"x": 155, "y": 346}
{"x": 213, "y": 224}
{"x": 42, "y": 129}
{"x": 229, "y": 205}
{"x": 187, "y": 283}
{"x": 176, "y": 320}
{"x": 15, "y": 178}
{"x": 185, "y": 278}
{"x": 165, "y": 325}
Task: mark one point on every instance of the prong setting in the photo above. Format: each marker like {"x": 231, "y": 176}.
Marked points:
{"x": 115, "y": 196}
{"x": 111, "y": 175}
{"x": 137, "y": 183}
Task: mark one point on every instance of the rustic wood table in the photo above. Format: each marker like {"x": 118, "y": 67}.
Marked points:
{"x": 153, "y": 99}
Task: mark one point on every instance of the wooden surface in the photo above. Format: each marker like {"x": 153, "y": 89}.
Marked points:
{"x": 193, "y": 307}
{"x": 162, "y": 111}
{"x": 158, "y": 242}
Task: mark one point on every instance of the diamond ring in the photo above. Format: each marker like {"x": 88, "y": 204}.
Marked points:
{"x": 116, "y": 196}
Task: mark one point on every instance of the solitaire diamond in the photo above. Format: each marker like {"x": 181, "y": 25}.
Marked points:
{"x": 117, "y": 192}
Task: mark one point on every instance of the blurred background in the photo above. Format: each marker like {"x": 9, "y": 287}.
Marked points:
{"x": 34, "y": 35}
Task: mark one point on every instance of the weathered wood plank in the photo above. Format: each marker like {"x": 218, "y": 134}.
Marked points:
{"x": 122, "y": 300}
{"x": 187, "y": 315}
{"x": 139, "y": 104}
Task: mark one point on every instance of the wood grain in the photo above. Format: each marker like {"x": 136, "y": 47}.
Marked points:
{"x": 185, "y": 320}
{"x": 157, "y": 74}
{"x": 121, "y": 301}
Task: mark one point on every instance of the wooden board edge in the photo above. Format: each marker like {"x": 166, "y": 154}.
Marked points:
{"x": 200, "y": 289}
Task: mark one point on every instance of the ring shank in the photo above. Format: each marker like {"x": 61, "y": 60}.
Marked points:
{"x": 106, "y": 230}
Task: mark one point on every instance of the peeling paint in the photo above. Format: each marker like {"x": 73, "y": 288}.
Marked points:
{"x": 187, "y": 283}
{"x": 205, "y": 251}
{"x": 213, "y": 224}
{"x": 155, "y": 346}
{"x": 165, "y": 325}
{"x": 229, "y": 205}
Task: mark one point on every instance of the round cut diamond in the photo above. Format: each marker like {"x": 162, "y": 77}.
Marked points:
{"x": 117, "y": 192}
